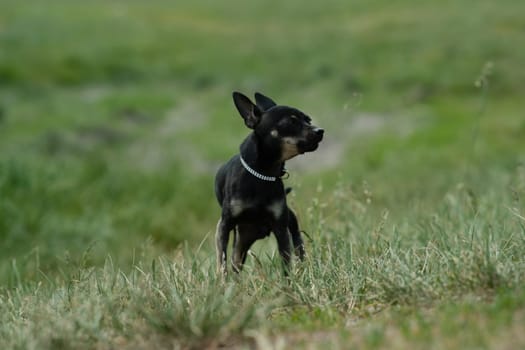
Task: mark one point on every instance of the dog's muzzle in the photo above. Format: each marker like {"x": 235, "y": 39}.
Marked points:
{"x": 312, "y": 140}
{"x": 318, "y": 132}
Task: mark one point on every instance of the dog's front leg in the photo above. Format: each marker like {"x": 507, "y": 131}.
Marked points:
{"x": 221, "y": 243}
{"x": 239, "y": 250}
{"x": 283, "y": 243}
{"x": 293, "y": 226}
{"x": 245, "y": 235}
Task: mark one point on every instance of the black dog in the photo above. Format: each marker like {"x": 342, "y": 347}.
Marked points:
{"x": 249, "y": 186}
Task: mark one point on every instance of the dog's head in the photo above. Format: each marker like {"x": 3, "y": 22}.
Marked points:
{"x": 279, "y": 127}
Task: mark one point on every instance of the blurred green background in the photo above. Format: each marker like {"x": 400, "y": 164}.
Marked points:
{"x": 114, "y": 116}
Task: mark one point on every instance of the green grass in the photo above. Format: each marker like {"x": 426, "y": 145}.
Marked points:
{"x": 366, "y": 281}
{"x": 115, "y": 116}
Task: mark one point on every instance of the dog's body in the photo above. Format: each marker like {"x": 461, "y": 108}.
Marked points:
{"x": 249, "y": 188}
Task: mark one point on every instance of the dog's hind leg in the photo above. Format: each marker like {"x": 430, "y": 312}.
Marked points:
{"x": 293, "y": 227}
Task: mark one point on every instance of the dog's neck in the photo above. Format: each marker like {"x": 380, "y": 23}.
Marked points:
{"x": 263, "y": 160}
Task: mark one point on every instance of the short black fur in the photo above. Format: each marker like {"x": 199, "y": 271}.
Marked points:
{"x": 253, "y": 207}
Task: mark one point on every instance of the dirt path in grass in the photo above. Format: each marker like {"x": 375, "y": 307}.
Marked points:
{"x": 163, "y": 143}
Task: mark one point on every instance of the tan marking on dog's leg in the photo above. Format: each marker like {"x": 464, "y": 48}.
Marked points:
{"x": 276, "y": 208}
{"x": 237, "y": 206}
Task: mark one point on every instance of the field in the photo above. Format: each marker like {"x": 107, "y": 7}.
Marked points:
{"x": 114, "y": 117}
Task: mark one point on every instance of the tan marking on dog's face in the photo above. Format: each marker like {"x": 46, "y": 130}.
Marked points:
{"x": 289, "y": 148}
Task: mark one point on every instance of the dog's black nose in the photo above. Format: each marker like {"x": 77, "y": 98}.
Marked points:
{"x": 319, "y": 132}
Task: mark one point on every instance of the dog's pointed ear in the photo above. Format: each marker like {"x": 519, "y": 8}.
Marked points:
{"x": 249, "y": 112}
{"x": 264, "y": 102}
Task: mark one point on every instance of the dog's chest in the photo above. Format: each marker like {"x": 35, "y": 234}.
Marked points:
{"x": 246, "y": 207}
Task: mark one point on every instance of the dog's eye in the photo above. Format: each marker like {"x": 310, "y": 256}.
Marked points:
{"x": 294, "y": 120}
{"x": 308, "y": 120}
